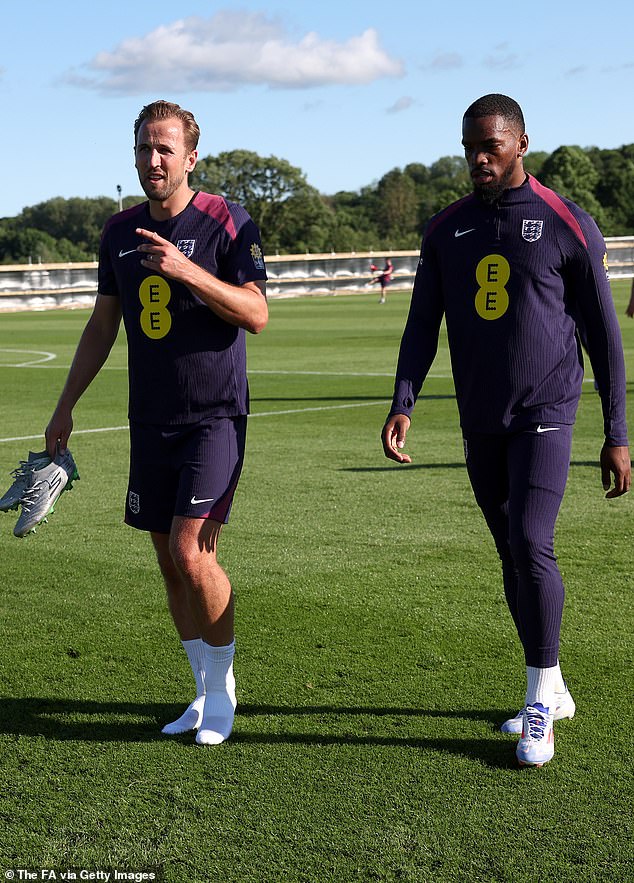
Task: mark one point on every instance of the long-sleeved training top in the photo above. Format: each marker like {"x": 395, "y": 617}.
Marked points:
{"x": 515, "y": 280}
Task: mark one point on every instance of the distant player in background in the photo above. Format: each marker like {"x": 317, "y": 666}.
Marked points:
{"x": 384, "y": 278}
{"x": 186, "y": 272}
{"x": 510, "y": 267}
{"x": 630, "y": 307}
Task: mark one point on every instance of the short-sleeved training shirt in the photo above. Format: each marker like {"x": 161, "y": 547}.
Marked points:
{"x": 185, "y": 363}
{"x": 515, "y": 281}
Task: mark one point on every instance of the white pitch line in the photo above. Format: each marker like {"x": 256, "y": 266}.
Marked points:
{"x": 61, "y": 366}
{"x": 257, "y": 414}
{"x": 75, "y": 432}
{"x": 253, "y": 371}
{"x": 250, "y": 371}
{"x": 47, "y": 357}
{"x": 319, "y": 408}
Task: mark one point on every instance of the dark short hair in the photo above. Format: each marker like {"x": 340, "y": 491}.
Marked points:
{"x": 497, "y": 105}
{"x": 166, "y": 110}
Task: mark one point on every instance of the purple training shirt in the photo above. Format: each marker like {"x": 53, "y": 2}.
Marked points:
{"x": 185, "y": 362}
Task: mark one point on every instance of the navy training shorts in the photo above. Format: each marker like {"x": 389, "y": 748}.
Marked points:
{"x": 190, "y": 471}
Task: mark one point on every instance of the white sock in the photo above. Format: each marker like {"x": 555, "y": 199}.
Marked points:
{"x": 220, "y": 698}
{"x": 196, "y": 655}
{"x": 190, "y": 719}
{"x": 542, "y": 684}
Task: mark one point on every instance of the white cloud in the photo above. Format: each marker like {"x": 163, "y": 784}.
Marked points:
{"x": 445, "y": 61}
{"x": 501, "y": 59}
{"x": 401, "y": 104}
{"x": 616, "y": 69}
{"x": 232, "y": 49}
{"x": 575, "y": 71}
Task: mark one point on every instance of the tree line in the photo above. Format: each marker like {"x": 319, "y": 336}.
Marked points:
{"x": 295, "y": 217}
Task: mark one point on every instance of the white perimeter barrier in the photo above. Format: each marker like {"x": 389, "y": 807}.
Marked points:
{"x": 46, "y": 286}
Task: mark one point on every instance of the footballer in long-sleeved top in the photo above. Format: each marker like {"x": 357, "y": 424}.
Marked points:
{"x": 185, "y": 362}
{"x": 514, "y": 279}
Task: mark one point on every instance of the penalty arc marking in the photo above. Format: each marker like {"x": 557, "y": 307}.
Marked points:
{"x": 43, "y": 355}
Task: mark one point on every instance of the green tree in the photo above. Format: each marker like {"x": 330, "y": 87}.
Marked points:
{"x": 274, "y": 192}
{"x": 355, "y": 219}
{"x": 294, "y": 217}
{"x": 448, "y": 180}
{"x": 615, "y": 188}
{"x": 571, "y": 172}
{"x": 78, "y": 220}
{"x": 418, "y": 172}
{"x": 533, "y": 162}
{"x": 397, "y": 213}
{"x": 22, "y": 245}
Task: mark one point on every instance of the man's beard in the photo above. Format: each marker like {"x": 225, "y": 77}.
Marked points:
{"x": 491, "y": 193}
{"x": 161, "y": 190}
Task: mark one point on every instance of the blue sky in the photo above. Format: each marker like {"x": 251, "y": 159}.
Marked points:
{"x": 346, "y": 90}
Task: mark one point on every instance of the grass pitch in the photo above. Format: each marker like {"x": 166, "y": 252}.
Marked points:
{"x": 376, "y": 657}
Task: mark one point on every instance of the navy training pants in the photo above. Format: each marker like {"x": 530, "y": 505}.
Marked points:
{"x": 518, "y": 481}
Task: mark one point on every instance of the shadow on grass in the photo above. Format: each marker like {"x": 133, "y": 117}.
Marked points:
{"x": 91, "y": 721}
{"x": 355, "y": 398}
{"x": 351, "y": 398}
{"x": 390, "y": 466}
{"x": 404, "y": 467}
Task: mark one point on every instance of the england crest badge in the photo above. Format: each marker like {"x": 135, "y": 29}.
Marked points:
{"x": 532, "y": 230}
{"x": 186, "y": 246}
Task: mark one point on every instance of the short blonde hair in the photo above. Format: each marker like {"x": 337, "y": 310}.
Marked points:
{"x": 166, "y": 110}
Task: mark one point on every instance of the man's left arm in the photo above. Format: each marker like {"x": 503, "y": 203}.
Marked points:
{"x": 242, "y": 305}
{"x": 603, "y": 339}
{"x": 615, "y": 461}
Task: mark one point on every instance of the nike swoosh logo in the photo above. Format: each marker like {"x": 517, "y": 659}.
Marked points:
{"x": 194, "y": 501}
{"x": 541, "y": 428}
{"x": 463, "y": 232}
{"x": 122, "y": 254}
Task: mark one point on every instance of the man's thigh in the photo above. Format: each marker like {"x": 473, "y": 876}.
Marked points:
{"x": 538, "y": 463}
{"x": 505, "y": 466}
{"x": 487, "y": 468}
{"x": 188, "y": 471}
{"x": 539, "y": 459}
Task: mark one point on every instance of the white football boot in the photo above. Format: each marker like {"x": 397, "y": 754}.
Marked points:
{"x": 537, "y": 745}
{"x": 23, "y": 477}
{"x": 47, "y": 485}
{"x": 564, "y": 706}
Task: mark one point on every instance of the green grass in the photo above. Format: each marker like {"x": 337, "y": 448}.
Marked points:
{"x": 376, "y": 657}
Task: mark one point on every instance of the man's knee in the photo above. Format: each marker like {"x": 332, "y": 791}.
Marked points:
{"x": 532, "y": 552}
{"x": 161, "y": 543}
{"x": 192, "y": 546}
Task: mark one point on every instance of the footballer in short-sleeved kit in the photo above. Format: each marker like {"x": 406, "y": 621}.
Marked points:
{"x": 513, "y": 280}
{"x": 187, "y": 366}
{"x": 185, "y": 362}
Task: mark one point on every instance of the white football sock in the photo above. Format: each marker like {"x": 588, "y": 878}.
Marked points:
{"x": 542, "y": 684}
{"x": 220, "y": 698}
{"x": 190, "y": 719}
{"x": 560, "y": 684}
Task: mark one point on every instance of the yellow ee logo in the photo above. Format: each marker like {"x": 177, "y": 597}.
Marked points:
{"x": 156, "y": 319}
{"x": 492, "y": 274}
